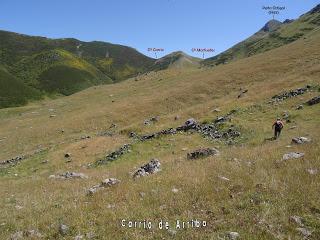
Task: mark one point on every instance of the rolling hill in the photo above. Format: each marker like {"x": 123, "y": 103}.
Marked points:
{"x": 274, "y": 34}
{"x": 178, "y": 59}
{"x": 64, "y": 66}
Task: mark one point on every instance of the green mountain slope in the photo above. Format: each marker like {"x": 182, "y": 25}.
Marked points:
{"x": 62, "y": 66}
{"x": 14, "y": 92}
{"x": 274, "y": 34}
{"x": 58, "y": 71}
{"x": 116, "y": 61}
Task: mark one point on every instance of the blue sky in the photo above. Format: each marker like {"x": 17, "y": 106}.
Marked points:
{"x": 169, "y": 24}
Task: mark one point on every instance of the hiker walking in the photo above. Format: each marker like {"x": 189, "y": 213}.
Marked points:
{"x": 278, "y": 125}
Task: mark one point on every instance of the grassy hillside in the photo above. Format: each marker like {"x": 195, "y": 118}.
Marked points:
{"x": 58, "y": 71}
{"x": 274, "y": 34}
{"x": 246, "y": 189}
{"x": 14, "y": 92}
{"x": 123, "y": 61}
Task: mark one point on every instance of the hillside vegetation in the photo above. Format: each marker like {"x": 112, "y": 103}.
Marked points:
{"x": 14, "y": 92}
{"x": 248, "y": 188}
{"x": 64, "y": 66}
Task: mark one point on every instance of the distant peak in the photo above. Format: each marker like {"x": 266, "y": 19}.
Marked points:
{"x": 271, "y": 26}
{"x": 177, "y": 53}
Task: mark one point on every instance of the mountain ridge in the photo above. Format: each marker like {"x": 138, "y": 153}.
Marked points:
{"x": 272, "y": 35}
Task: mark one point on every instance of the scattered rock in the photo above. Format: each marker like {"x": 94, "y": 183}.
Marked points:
{"x": 111, "y": 206}
{"x": 299, "y": 107}
{"x": 69, "y": 175}
{"x": 13, "y": 161}
{"x": 296, "y": 220}
{"x": 233, "y": 235}
{"x": 90, "y": 235}
{"x": 18, "y": 207}
{"x": 224, "y": 178}
{"x": 300, "y": 140}
{"x": 216, "y": 110}
{"x": 176, "y": 117}
{"x": 312, "y": 171}
{"x": 305, "y": 232}
{"x": 152, "y": 167}
{"x": 52, "y": 115}
{"x": 151, "y": 120}
{"x": 292, "y": 155}
{"x": 63, "y": 229}
{"x": 67, "y": 155}
{"x": 45, "y": 161}
{"x": 203, "y": 152}
{"x": 313, "y": 101}
{"x": 17, "y": 236}
{"x": 172, "y": 232}
{"x": 104, "y": 184}
{"x": 109, "y": 182}
{"x": 85, "y": 137}
{"x": 142, "y": 194}
{"x": 79, "y": 237}
{"x": 175, "y": 190}
{"x": 32, "y": 234}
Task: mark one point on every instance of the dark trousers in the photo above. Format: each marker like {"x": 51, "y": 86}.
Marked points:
{"x": 277, "y": 132}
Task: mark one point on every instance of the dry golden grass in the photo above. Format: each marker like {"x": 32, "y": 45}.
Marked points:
{"x": 265, "y": 193}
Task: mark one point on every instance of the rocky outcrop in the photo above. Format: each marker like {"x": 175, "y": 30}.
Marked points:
{"x": 289, "y": 94}
{"x": 115, "y": 155}
{"x": 69, "y": 175}
{"x": 313, "y": 101}
{"x": 292, "y": 155}
{"x": 13, "y": 161}
{"x": 152, "y": 167}
{"x": 300, "y": 140}
{"x": 201, "y": 153}
{"x": 104, "y": 184}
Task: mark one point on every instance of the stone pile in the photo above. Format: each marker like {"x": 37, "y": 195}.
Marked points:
{"x": 152, "y": 167}
{"x": 13, "y": 161}
{"x": 202, "y": 152}
{"x": 300, "y": 140}
{"x": 104, "y": 184}
{"x": 313, "y": 101}
{"x": 116, "y": 154}
{"x": 69, "y": 175}
{"x": 292, "y": 155}
{"x": 289, "y": 94}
